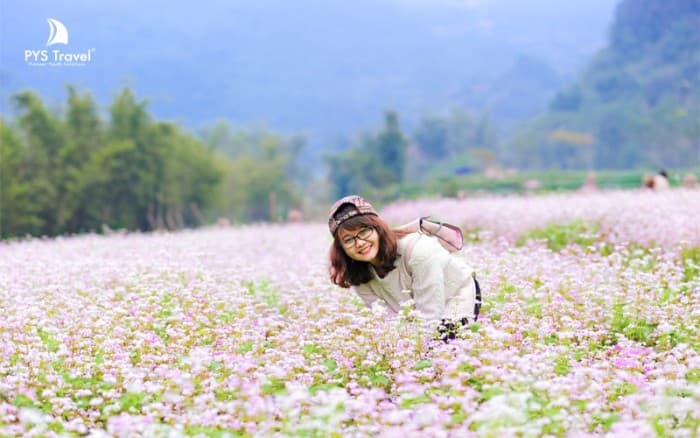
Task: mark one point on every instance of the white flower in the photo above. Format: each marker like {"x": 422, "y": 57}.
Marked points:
{"x": 135, "y": 387}
{"x": 378, "y": 309}
{"x": 31, "y": 416}
{"x": 96, "y": 401}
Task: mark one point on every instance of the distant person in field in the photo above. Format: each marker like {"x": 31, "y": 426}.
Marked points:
{"x": 369, "y": 256}
{"x": 589, "y": 184}
{"x": 661, "y": 180}
{"x": 295, "y": 215}
{"x": 690, "y": 181}
{"x": 656, "y": 182}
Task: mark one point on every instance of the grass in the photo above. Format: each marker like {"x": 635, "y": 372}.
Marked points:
{"x": 691, "y": 263}
{"x": 558, "y": 236}
{"x": 549, "y": 181}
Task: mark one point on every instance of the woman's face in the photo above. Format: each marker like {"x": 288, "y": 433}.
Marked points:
{"x": 361, "y": 244}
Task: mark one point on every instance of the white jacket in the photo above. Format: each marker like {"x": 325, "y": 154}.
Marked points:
{"x": 440, "y": 284}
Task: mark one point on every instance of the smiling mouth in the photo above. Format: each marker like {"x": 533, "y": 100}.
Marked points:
{"x": 365, "y": 250}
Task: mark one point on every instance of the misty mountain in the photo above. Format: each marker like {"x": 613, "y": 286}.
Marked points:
{"x": 315, "y": 67}
{"x": 519, "y": 93}
{"x": 637, "y": 104}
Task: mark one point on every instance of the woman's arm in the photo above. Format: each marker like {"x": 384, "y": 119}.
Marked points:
{"x": 365, "y": 292}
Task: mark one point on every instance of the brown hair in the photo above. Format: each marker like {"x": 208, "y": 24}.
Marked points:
{"x": 346, "y": 272}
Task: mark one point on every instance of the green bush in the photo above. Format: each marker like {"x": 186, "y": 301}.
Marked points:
{"x": 558, "y": 236}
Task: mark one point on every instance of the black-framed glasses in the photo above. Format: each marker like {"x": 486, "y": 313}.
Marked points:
{"x": 363, "y": 234}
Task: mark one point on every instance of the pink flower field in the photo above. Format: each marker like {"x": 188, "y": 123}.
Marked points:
{"x": 590, "y": 327}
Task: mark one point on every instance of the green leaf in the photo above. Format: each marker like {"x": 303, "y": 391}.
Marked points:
{"x": 562, "y": 366}
{"x": 274, "y": 386}
{"x": 331, "y": 364}
{"x": 23, "y": 401}
{"x": 245, "y": 347}
{"x": 410, "y": 402}
{"x": 423, "y": 364}
{"x": 132, "y": 402}
{"x": 50, "y": 343}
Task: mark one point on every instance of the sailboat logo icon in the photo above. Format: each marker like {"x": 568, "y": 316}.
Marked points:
{"x": 58, "y": 34}
{"x": 55, "y": 57}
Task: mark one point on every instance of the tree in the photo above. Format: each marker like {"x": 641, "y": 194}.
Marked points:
{"x": 351, "y": 172}
{"x": 376, "y": 161}
{"x": 261, "y": 164}
{"x": 74, "y": 173}
{"x": 19, "y": 214}
{"x": 432, "y": 136}
{"x": 390, "y": 146}
{"x": 44, "y": 137}
{"x": 112, "y": 185}
{"x": 84, "y": 137}
{"x": 191, "y": 177}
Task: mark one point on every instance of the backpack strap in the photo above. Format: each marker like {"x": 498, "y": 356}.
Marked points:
{"x": 409, "y": 249}
{"x": 450, "y": 236}
{"x": 477, "y": 298}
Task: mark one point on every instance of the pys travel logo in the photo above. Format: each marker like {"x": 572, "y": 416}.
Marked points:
{"x": 56, "y": 57}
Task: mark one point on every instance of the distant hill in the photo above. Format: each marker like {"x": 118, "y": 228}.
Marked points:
{"x": 324, "y": 68}
{"x": 636, "y": 104}
{"x": 519, "y": 93}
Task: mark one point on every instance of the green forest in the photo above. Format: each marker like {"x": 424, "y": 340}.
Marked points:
{"x": 73, "y": 170}
{"x": 80, "y": 168}
{"x": 76, "y": 172}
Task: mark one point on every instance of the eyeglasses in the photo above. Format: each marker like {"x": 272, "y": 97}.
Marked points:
{"x": 363, "y": 234}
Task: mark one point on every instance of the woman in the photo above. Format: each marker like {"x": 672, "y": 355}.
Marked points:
{"x": 367, "y": 255}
